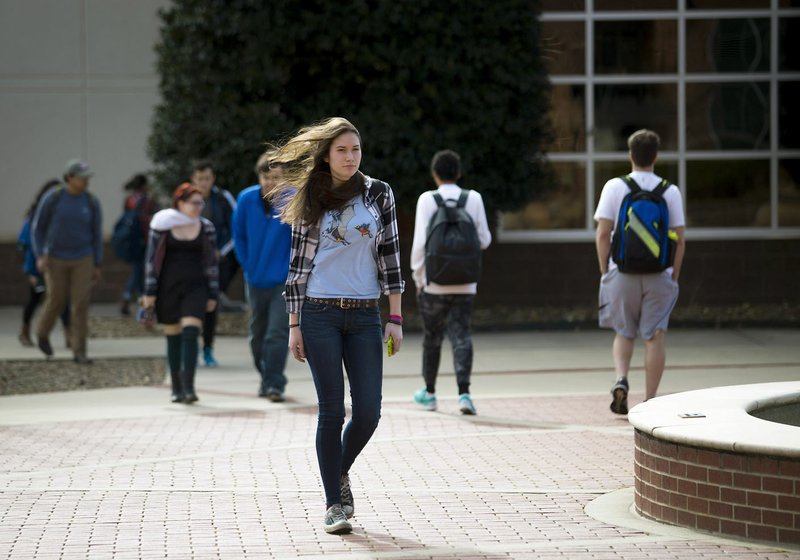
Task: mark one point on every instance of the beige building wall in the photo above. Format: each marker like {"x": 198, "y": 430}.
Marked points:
{"x": 77, "y": 79}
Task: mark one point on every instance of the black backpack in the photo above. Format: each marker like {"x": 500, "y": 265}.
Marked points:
{"x": 452, "y": 247}
{"x": 641, "y": 242}
{"x": 127, "y": 240}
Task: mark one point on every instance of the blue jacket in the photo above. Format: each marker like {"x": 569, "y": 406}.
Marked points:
{"x": 262, "y": 243}
{"x": 25, "y": 245}
{"x": 68, "y": 227}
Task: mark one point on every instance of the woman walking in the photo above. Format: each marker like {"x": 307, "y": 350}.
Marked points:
{"x": 181, "y": 282}
{"x": 345, "y": 252}
{"x": 36, "y": 286}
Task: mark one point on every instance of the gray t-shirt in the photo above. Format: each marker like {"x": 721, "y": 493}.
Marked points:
{"x": 346, "y": 261}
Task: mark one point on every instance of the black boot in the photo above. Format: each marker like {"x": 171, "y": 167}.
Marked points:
{"x": 189, "y": 360}
{"x": 187, "y": 381}
{"x": 178, "y": 395}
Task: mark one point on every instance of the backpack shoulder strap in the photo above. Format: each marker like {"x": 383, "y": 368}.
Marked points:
{"x": 462, "y": 199}
{"x": 662, "y": 187}
{"x": 438, "y": 198}
{"x": 377, "y": 189}
{"x": 632, "y": 184}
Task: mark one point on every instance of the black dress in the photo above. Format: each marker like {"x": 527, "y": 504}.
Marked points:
{"x": 182, "y": 290}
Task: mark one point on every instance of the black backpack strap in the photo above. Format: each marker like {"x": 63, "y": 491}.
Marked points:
{"x": 377, "y": 190}
{"x": 462, "y": 199}
{"x": 632, "y": 185}
{"x": 662, "y": 188}
{"x": 438, "y": 198}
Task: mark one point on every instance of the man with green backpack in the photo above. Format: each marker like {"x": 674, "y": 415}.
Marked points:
{"x": 640, "y": 248}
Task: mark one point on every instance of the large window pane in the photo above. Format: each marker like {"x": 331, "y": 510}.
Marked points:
{"x": 789, "y": 44}
{"x": 621, "y": 110}
{"x": 727, "y": 116}
{"x": 727, "y": 194}
{"x": 636, "y": 47}
{"x": 561, "y": 205}
{"x": 727, "y": 45}
{"x": 605, "y": 170}
{"x": 606, "y": 5}
{"x": 788, "y": 115}
{"x": 789, "y": 193}
{"x": 568, "y": 115}
{"x": 722, "y": 4}
{"x": 564, "y": 47}
{"x": 563, "y": 5}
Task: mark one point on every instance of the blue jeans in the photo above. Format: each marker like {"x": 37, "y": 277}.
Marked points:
{"x": 269, "y": 335}
{"x": 135, "y": 283}
{"x": 331, "y": 337}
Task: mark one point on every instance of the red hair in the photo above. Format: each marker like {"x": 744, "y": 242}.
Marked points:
{"x": 183, "y": 192}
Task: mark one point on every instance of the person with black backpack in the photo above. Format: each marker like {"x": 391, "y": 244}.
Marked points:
{"x": 640, "y": 248}
{"x": 450, "y": 231}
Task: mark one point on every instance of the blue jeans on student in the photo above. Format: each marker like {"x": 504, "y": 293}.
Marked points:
{"x": 135, "y": 283}
{"x": 331, "y": 337}
{"x": 269, "y": 335}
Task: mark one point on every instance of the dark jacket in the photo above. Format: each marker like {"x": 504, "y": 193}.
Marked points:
{"x": 157, "y": 252}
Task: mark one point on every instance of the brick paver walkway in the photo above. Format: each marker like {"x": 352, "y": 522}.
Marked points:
{"x": 512, "y": 482}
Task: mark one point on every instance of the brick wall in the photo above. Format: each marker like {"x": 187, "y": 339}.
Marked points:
{"x": 551, "y": 274}
{"x": 742, "y": 495}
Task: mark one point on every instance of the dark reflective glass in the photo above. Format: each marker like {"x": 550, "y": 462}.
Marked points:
{"x": 723, "y": 4}
{"x": 568, "y": 115}
{"x": 560, "y": 205}
{"x": 636, "y": 47}
{"x": 789, "y": 44}
{"x": 727, "y": 116}
{"x": 789, "y": 193}
{"x": 608, "y": 5}
{"x": 727, "y": 193}
{"x": 564, "y": 47}
{"x": 563, "y": 5}
{"x": 620, "y": 110}
{"x": 727, "y": 45}
{"x": 788, "y": 115}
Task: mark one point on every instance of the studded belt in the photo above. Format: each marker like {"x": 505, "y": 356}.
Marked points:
{"x": 345, "y": 303}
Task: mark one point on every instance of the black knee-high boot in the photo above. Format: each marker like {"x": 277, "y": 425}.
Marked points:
{"x": 174, "y": 363}
{"x": 189, "y": 344}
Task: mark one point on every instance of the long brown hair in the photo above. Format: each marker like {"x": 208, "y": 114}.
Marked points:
{"x": 307, "y": 191}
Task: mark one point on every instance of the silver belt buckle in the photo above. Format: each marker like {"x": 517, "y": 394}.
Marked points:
{"x": 342, "y": 303}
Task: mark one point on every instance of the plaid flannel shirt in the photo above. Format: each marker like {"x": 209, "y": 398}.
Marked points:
{"x": 305, "y": 240}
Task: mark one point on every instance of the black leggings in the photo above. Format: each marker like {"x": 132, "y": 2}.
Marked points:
{"x": 35, "y": 297}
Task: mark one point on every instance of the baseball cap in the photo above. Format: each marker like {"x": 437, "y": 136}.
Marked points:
{"x": 78, "y": 168}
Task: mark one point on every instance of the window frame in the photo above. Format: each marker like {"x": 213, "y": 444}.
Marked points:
{"x": 681, "y": 156}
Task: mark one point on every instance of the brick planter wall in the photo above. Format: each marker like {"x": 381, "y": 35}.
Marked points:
{"x": 42, "y": 376}
{"x": 738, "y": 494}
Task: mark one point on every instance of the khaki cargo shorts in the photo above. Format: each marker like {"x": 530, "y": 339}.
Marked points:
{"x": 636, "y": 304}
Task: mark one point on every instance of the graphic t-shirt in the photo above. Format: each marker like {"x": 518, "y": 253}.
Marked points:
{"x": 346, "y": 261}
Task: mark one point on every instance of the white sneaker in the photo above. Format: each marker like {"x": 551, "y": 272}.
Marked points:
{"x": 348, "y": 505}
{"x": 466, "y": 405}
{"x": 336, "y": 522}
{"x": 425, "y": 399}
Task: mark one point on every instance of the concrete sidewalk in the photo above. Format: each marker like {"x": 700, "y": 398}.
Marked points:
{"x": 544, "y": 470}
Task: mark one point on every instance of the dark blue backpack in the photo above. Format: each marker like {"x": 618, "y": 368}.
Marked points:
{"x": 127, "y": 240}
{"x": 641, "y": 242}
